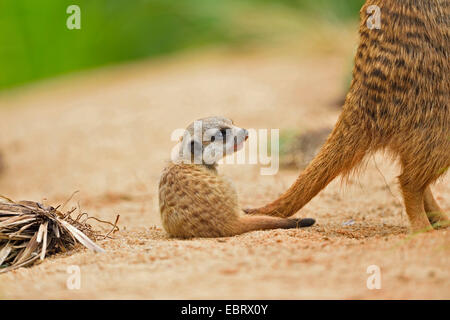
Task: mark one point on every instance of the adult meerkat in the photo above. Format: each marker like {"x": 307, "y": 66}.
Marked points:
{"x": 398, "y": 101}
{"x": 194, "y": 200}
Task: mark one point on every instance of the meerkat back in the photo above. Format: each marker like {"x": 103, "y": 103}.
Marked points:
{"x": 196, "y": 201}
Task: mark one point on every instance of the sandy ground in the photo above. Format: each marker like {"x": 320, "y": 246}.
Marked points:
{"x": 107, "y": 134}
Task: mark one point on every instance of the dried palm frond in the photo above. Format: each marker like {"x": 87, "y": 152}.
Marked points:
{"x": 30, "y": 231}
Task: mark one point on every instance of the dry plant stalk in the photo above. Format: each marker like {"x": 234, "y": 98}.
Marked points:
{"x": 30, "y": 231}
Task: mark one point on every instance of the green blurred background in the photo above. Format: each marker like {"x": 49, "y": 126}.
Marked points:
{"x": 36, "y": 44}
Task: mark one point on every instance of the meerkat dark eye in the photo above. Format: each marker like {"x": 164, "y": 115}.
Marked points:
{"x": 213, "y": 138}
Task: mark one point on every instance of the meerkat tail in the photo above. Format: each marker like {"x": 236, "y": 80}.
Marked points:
{"x": 345, "y": 148}
{"x": 252, "y": 223}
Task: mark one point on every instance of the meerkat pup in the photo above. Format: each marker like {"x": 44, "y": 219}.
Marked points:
{"x": 398, "y": 101}
{"x": 195, "y": 200}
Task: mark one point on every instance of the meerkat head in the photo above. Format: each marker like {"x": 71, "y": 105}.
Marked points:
{"x": 208, "y": 140}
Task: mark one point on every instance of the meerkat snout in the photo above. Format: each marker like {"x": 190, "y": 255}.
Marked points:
{"x": 240, "y": 138}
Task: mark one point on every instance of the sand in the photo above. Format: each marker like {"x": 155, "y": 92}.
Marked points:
{"x": 107, "y": 134}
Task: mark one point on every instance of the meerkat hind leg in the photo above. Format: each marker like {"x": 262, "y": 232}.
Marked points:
{"x": 435, "y": 214}
{"x": 414, "y": 205}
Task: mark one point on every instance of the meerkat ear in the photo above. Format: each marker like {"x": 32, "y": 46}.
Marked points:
{"x": 196, "y": 148}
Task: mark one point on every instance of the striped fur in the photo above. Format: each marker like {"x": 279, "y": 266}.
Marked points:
{"x": 398, "y": 101}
